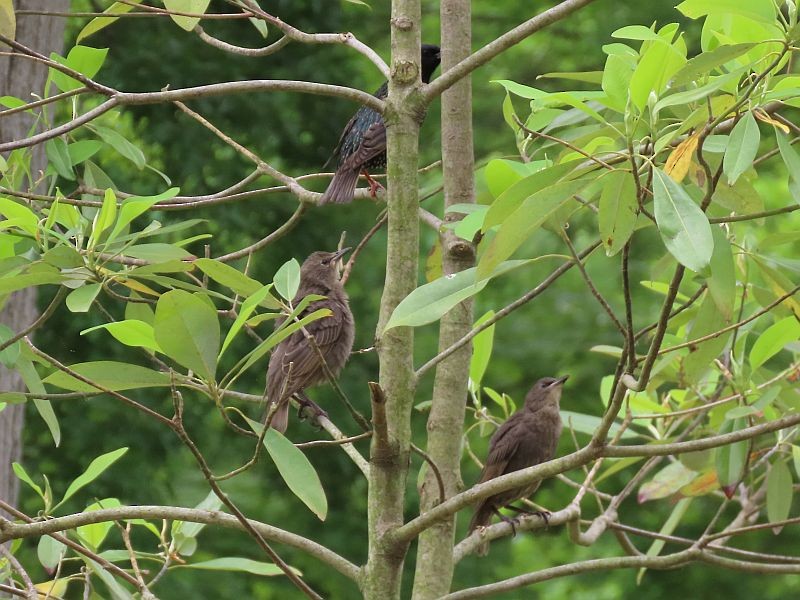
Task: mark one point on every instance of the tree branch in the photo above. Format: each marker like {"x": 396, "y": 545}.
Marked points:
{"x": 501, "y": 44}
{"x": 13, "y": 531}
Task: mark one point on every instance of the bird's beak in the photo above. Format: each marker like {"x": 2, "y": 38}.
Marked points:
{"x": 559, "y": 381}
{"x": 340, "y": 254}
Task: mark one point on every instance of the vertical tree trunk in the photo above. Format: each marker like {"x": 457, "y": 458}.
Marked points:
{"x": 389, "y": 458}
{"x": 446, "y": 420}
{"x": 21, "y": 78}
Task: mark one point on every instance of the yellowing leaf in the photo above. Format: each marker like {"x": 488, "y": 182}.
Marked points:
{"x": 681, "y": 157}
{"x": 763, "y": 116}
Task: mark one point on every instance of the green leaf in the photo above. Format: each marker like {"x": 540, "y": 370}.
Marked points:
{"x": 706, "y": 62}
{"x": 731, "y": 460}
{"x": 116, "y": 376}
{"x": 104, "y": 218}
{"x": 94, "y": 534}
{"x": 666, "y": 482}
{"x": 635, "y": 32}
{"x": 796, "y": 459}
{"x": 429, "y": 302}
{"x": 229, "y": 277}
{"x": 136, "y": 205}
{"x": 83, "y": 59}
{"x": 23, "y": 476}
{"x": 779, "y": 491}
{"x": 34, "y": 384}
{"x": 186, "y": 6}
{"x": 296, "y": 470}
{"x": 618, "y": 207}
{"x": 58, "y": 156}
{"x": 247, "y": 308}
{"x": 287, "y": 279}
{"x": 656, "y": 66}
{"x": 8, "y": 356}
{"x": 117, "y": 141}
{"x": 185, "y": 533}
{"x": 669, "y": 527}
{"x": 789, "y": 155}
{"x": 683, "y": 226}
{"x": 187, "y": 329}
{"x": 130, "y": 332}
{"x": 742, "y": 147}
{"x": 92, "y": 472}
{"x": 50, "y": 552}
{"x": 99, "y": 23}
{"x": 481, "y": 349}
{"x": 500, "y": 174}
{"x": 722, "y": 282}
{"x": 701, "y": 356}
{"x": 157, "y": 252}
{"x": 759, "y": 10}
{"x": 80, "y": 300}
{"x": 232, "y": 563}
{"x": 588, "y": 424}
{"x": 514, "y": 196}
{"x": 25, "y": 217}
{"x": 518, "y": 227}
{"x": 773, "y": 340}
{"x": 18, "y": 282}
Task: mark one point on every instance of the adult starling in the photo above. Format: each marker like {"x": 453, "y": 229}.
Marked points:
{"x": 527, "y": 438}
{"x": 362, "y": 145}
{"x": 295, "y": 363}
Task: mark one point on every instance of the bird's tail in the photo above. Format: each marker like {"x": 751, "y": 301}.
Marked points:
{"x": 280, "y": 420}
{"x": 341, "y": 188}
{"x": 481, "y": 518}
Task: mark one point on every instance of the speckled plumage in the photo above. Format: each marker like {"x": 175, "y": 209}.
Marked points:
{"x": 295, "y": 364}
{"x": 362, "y": 145}
{"x": 527, "y": 438}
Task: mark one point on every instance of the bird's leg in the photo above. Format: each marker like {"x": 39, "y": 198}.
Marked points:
{"x": 374, "y": 186}
{"x": 544, "y": 515}
{"x": 308, "y": 406}
{"x": 510, "y": 520}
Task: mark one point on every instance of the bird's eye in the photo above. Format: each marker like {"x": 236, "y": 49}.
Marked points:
{"x": 325, "y": 261}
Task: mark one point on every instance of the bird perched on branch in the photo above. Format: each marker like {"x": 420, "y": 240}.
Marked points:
{"x": 362, "y": 145}
{"x": 527, "y": 438}
{"x": 296, "y": 362}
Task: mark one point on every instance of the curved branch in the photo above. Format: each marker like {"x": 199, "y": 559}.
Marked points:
{"x": 12, "y": 531}
{"x": 668, "y": 561}
{"x": 275, "y": 235}
{"x": 61, "y": 129}
{"x": 501, "y": 44}
{"x": 252, "y": 85}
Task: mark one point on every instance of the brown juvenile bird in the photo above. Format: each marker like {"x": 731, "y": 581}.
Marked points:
{"x": 295, "y": 364}
{"x": 362, "y": 145}
{"x": 527, "y": 438}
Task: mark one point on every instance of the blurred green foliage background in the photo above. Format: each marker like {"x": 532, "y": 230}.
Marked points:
{"x": 296, "y": 134}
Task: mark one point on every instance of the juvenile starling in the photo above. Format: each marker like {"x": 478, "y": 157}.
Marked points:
{"x": 527, "y": 438}
{"x": 362, "y": 145}
{"x": 295, "y": 363}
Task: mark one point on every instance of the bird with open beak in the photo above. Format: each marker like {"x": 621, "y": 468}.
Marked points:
{"x": 297, "y": 362}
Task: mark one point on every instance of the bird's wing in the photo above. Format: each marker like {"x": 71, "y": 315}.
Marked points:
{"x": 372, "y": 144}
{"x": 503, "y": 447}
{"x": 301, "y": 352}
{"x": 337, "y": 150}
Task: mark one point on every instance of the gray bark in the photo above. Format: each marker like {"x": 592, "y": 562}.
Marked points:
{"x": 434, "y": 571}
{"x": 21, "y": 78}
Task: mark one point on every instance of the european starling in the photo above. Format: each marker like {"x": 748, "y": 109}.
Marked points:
{"x": 527, "y": 438}
{"x": 295, "y": 363}
{"x": 362, "y": 145}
